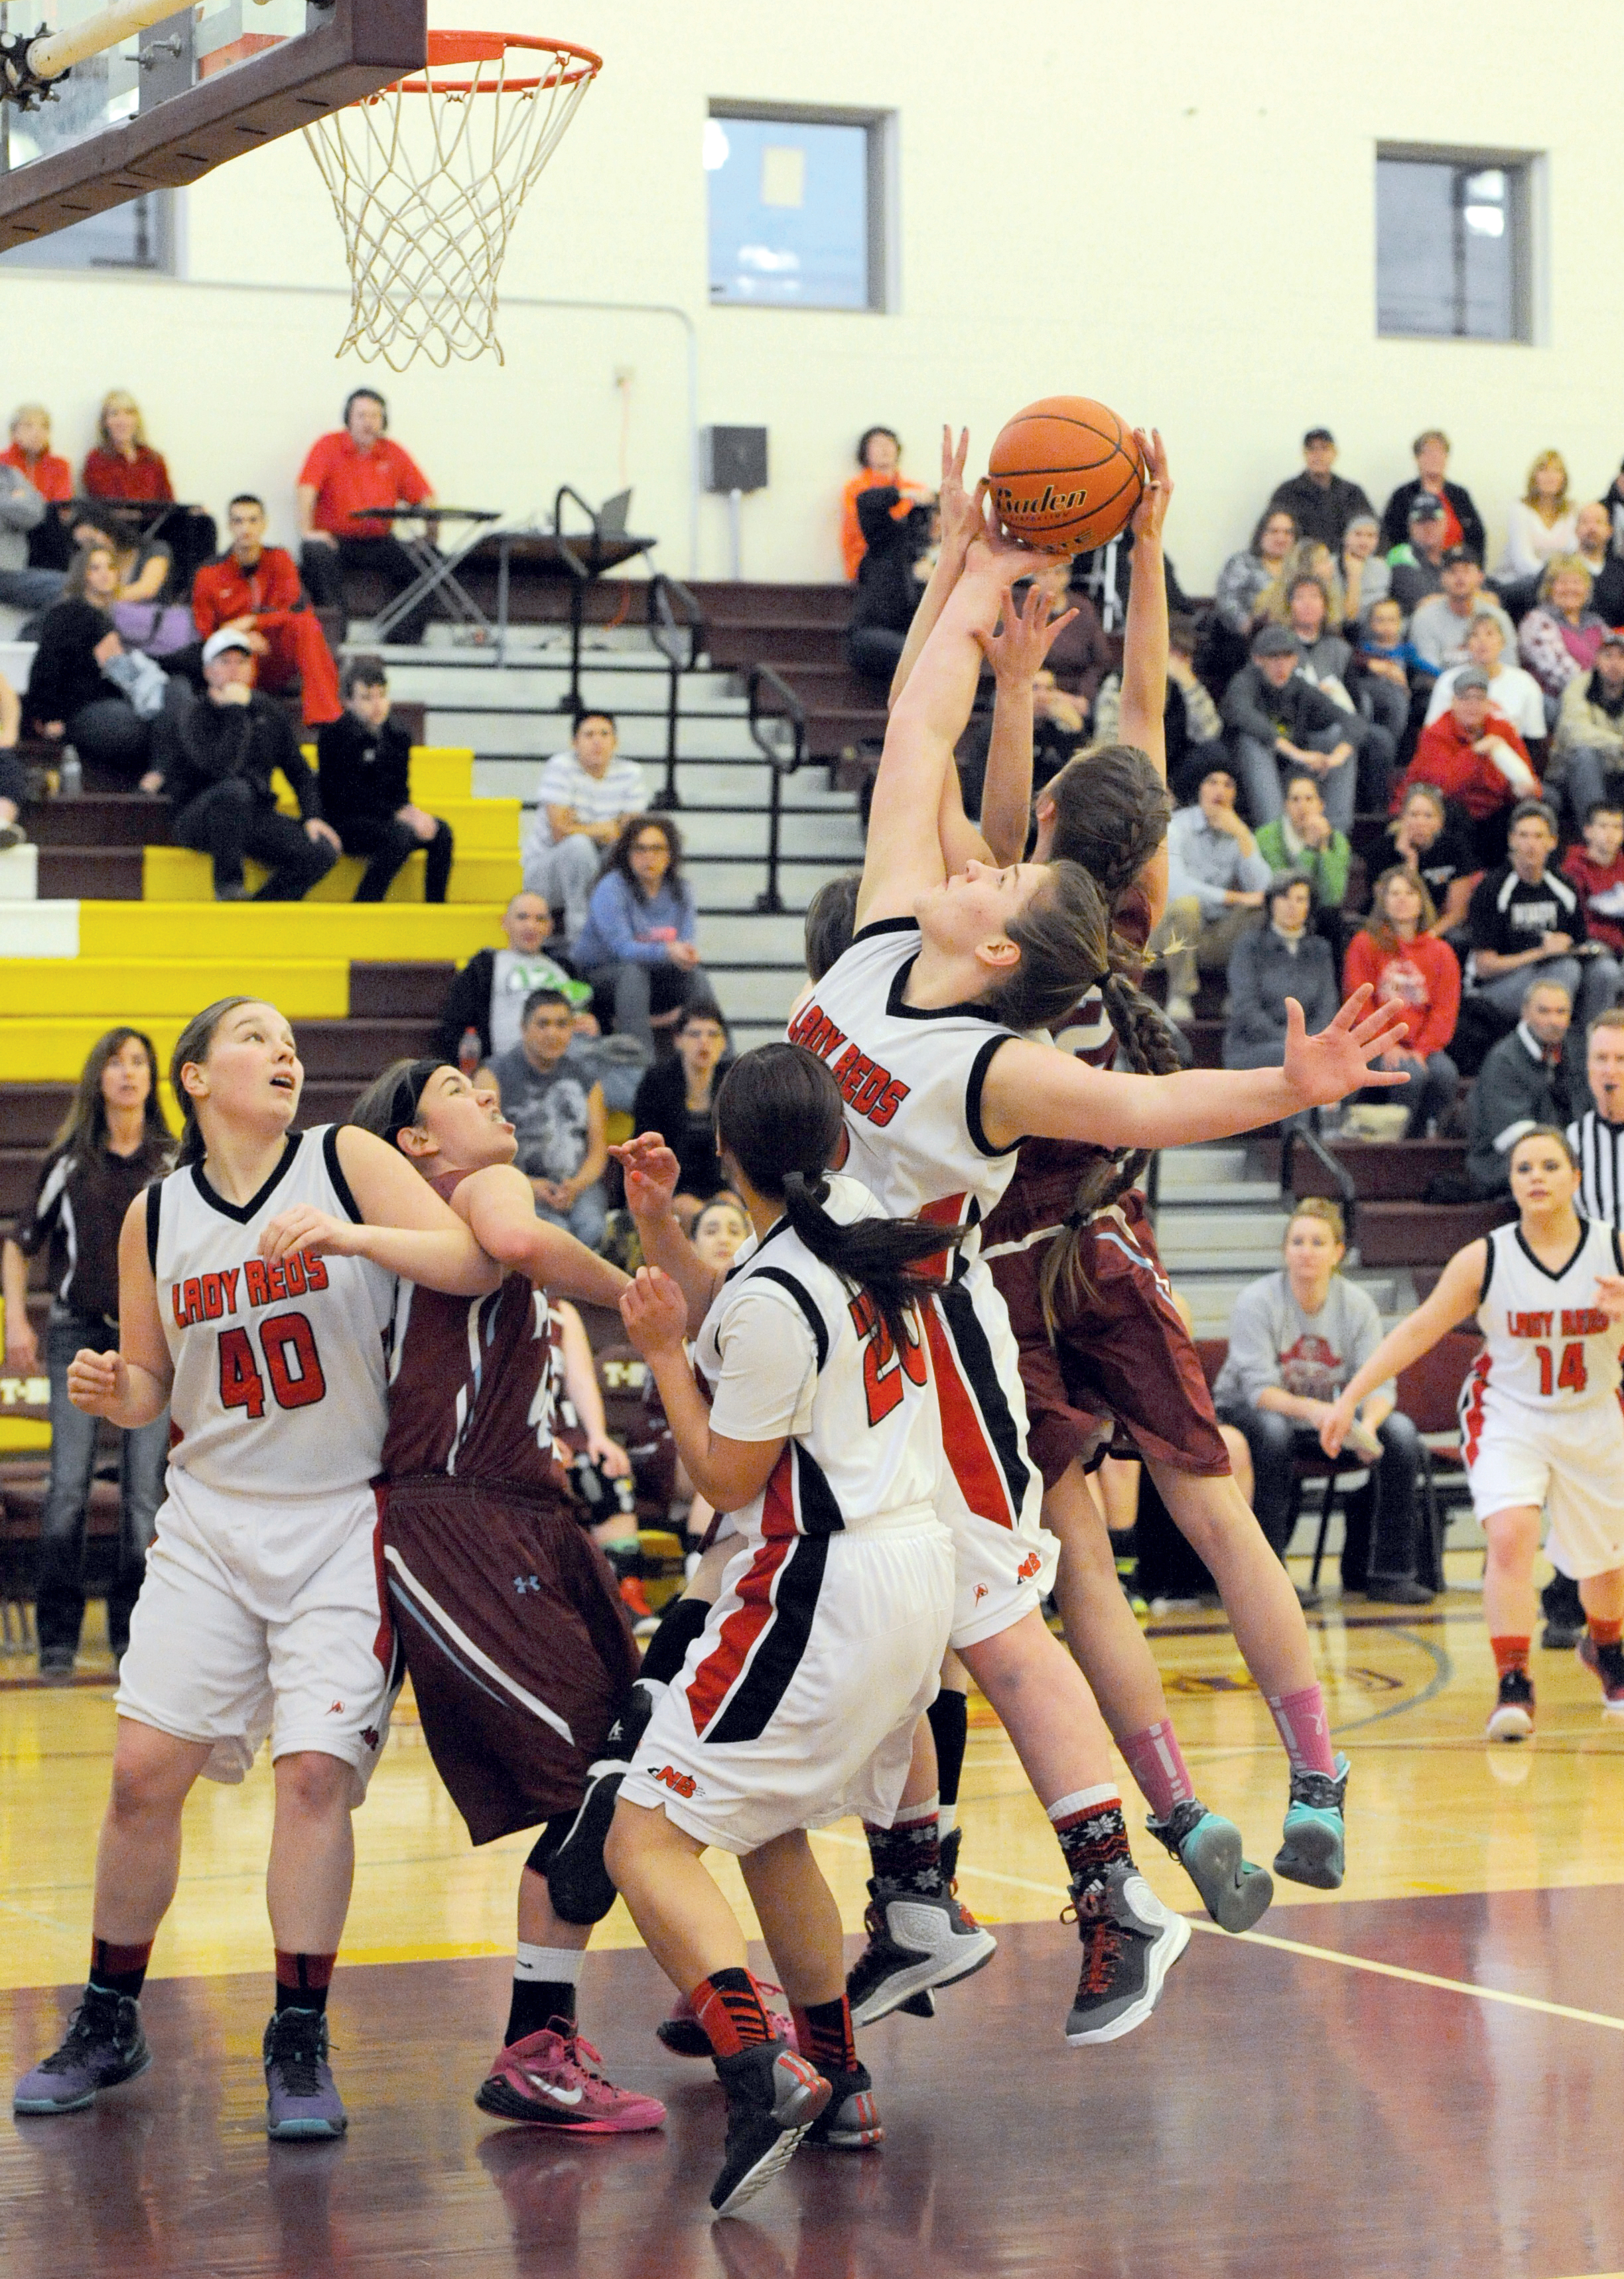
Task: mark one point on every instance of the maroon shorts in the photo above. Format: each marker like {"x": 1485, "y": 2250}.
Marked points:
{"x": 517, "y": 1643}
{"x": 1122, "y": 1354}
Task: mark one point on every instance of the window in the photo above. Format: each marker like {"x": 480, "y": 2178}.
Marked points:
{"x": 1453, "y": 235}
{"x": 797, "y": 207}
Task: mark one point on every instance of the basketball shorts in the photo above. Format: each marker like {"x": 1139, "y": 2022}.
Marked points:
{"x": 516, "y": 1641}
{"x": 797, "y": 1703}
{"x": 1123, "y": 1356}
{"x": 1571, "y": 1461}
{"x": 990, "y": 1496}
{"x": 260, "y": 1615}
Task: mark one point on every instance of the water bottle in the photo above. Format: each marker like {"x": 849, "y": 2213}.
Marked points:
{"x": 70, "y": 776}
{"x": 470, "y": 1052}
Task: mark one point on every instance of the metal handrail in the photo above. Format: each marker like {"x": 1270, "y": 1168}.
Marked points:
{"x": 788, "y": 707}
{"x": 1346, "y": 1188}
{"x": 571, "y": 560}
{"x": 666, "y": 596}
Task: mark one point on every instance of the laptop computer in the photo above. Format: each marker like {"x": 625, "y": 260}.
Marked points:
{"x": 612, "y": 515}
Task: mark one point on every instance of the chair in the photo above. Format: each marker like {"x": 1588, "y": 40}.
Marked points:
{"x": 1308, "y": 1465}
{"x": 1428, "y": 1393}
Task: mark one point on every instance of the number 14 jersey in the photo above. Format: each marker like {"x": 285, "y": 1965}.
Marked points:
{"x": 279, "y": 1370}
{"x": 1547, "y": 1344}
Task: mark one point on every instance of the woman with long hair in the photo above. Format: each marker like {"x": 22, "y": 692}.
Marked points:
{"x": 123, "y": 467}
{"x": 1398, "y": 953}
{"x": 72, "y": 695}
{"x": 1247, "y": 576}
{"x": 678, "y": 1097}
{"x": 256, "y": 1284}
{"x": 1542, "y": 1430}
{"x": 111, "y": 1142}
{"x": 637, "y": 946}
{"x": 1541, "y": 523}
{"x": 797, "y": 1702}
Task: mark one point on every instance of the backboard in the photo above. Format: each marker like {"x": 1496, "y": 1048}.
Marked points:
{"x": 171, "y": 101}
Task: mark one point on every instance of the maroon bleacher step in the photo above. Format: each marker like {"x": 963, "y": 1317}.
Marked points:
{"x": 99, "y": 821}
{"x": 356, "y": 1051}
{"x": 30, "y": 1113}
{"x": 737, "y": 647}
{"x": 386, "y": 989}
{"x": 91, "y": 874}
{"x": 726, "y": 603}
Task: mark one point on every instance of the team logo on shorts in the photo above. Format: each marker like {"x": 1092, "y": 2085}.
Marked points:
{"x": 369, "y": 1734}
{"x": 1028, "y": 1566}
{"x": 680, "y": 1783}
{"x": 337, "y": 1709}
{"x": 981, "y": 1592}
{"x": 523, "y": 1583}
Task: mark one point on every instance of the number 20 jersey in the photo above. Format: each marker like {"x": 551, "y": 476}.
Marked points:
{"x": 280, "y": 1370}
{"x": 1547, "y": 1345}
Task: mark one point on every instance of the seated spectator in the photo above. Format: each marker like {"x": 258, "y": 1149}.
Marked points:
{"x": 22, "y": 510}
{"x": 1303, "y": 839}
{"x": 488, "y": 995}
{"x": 1613, "y": 500}
{"x": 1474, "y": 757}
{"x": 1513, "y": 693}
{"x": 1384, "y": 651}
{"x": 365, "y": 761}
{"x": 890, "y": 580}
{"x": 1191, "y": 720}
{"x": 1329, "y": 662}
{"x": 1462, "y": 524}
{"x": 637, "y": 947}
{"x": 72, "y": 698}
{"x": 1284, "y": 957}
{"x": 1596, "y": 868}
{"x": 879, "y": 457}
{"x": 1433, "y": 845}
{"x": 1366, "y": 577}
{"x": 1541, "y": 523}
{"x": 1417, "y": 567}
{"x": 677, "y": 1099}
{"x": 213, "y": 759}
{"x": 1525, "y": 920}
{"x": 1320, "y": 502}
{"x": 1244, "y": 577}
{"x": 1561, "y": 636}
{"x": 1398, "y": 952}
{"x": 124, "y": 466}
{"x": 254, "y": 589}
{"x": 1278, "y": 720}
{"x": 1080, "y": 655}
{"x": 1217, "y": 879}
{"x": 1593, "y": 545}
{"x": 560, "y": 1119}
{"x": 1589, "y": 742}
{"x": 1440, "y": 624}
{"x": 50, "y": 544}
{"x": 1307, "y": 559}
{"x": 357, "y": 467}
{"x": 1529, "y": 1079}
{"x": 585, "y": 798}
{"x": 1296, "y": 1338}
{"x": 13, "y": 775}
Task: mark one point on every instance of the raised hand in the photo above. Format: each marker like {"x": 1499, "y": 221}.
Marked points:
{"x": 1024, "y": 638}
{"x": 1152, "y": 512}
{"x": 304, "y": 1228}
{"x": 96, "y": 1382}
{"x": 1339, "y": 1060}
{"x": 651, "y": 1171}
{"x": 655, "y": 1313}
{"x": 960, "y": 509}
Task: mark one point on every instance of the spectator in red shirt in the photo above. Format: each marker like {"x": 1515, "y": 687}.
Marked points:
{"x": 1473, "y": 756}
{"x": 50, "y": 547}
{"x": 1397, "y": 953}
{"x": 1597, "y": 870}
{"x": 879, "y": 453}
{"x": 254, "y": 589}
{"x": 124, "y": 466}
{"x": 357, "y": 466}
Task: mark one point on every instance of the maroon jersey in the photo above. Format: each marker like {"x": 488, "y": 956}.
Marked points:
{"x": 474, "y": 1386}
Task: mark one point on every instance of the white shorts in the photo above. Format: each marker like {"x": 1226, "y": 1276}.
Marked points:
{"x": 258, "y": 1616}
{"x": 1571, "y": 1461}
{"x": 991, "y": 1498}
{"x": 798, "y": 1702}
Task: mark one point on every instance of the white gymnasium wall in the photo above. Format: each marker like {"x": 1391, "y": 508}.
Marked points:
{"x": 1168, "y": 206}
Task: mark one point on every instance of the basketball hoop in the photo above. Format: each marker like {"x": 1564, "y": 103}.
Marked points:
{"x": 428, "y": 179}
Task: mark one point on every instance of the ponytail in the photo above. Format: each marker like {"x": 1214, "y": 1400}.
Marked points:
{"x": 881, "y": 1256}
{"x": 192, "y": 1045}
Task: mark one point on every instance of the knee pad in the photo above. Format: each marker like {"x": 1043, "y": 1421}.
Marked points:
{"x": 552, "y": 1836}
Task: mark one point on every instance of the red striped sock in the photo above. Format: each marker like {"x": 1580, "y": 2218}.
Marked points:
{"x": 823, "y": 2030}
{"x": 302, "y": 1979}
{"x": 1511, "y": 1654}
{"x": 118, "y": 1969}
{"x": 729, "y": 2010}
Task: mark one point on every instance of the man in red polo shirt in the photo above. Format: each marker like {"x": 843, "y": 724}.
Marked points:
{"x": 1475, "y": 757}
{"x": 255, "y": 590}
{"x": 354, "y": 467}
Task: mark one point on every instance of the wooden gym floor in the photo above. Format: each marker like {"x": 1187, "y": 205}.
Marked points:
{"x": 1422, "y": 2074}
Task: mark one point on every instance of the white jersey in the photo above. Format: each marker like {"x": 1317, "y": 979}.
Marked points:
{"x": 279, "y": 1370}
{"x": 912, "y": 1080}
{"x": 1547, "y": 1344}
{"x": 788, "y": 1348}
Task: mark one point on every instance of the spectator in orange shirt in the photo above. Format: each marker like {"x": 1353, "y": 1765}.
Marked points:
{"x": 123, "y": 466}
{"x": 254, "y": 589}
{"x": 357, "y": 466}
{"x": 50, "y": 547}
{"x": 879, "y": 455}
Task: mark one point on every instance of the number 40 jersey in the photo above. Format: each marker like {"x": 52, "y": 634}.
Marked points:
{"x": 280, "y": 1382}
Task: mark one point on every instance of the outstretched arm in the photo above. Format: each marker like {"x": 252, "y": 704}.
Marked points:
{"x": 405, "y": 1227}
{"x": 1454, "y": 1297}
{"x": 651, "y": 1174}
{"x": 1016, "y": 654}
{"x": 960, "y": 520}
{"x": 1144, "y": 640}
{"x": 498, "y": 1206}
{"x": 727, "y": 1473}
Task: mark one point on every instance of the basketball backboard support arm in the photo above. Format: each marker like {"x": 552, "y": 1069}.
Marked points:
{"x": 350, "y": 48}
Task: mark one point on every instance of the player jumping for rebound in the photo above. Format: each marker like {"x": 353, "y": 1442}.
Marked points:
{"x": 1541, "y": 1423}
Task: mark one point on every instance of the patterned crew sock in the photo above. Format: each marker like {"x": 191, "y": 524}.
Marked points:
{"x": 118, "y": 1969}
{"x": 823, "y": 2031}
{"x": 729, "y": 2010}
{"x": 949, "y": 1716}
{"x": 908, "y": 1853}
{"x": 544, "y": 1982}
{"x": 1304, "y": 1728}
{"x": 302, "y": 1979}
{"x": 1157, "y": 1764}
{"x": 1511, "y": 1654}
{"x": 1091, "y": 1831}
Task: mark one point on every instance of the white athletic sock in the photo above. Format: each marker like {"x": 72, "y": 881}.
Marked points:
{"x": 946, "y": 1819}
{"x": 559, "y": 1965}
{"x": 1085, "y": 1800}
{"x": 911, "y": 1814}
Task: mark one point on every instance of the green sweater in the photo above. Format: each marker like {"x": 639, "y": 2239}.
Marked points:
{"x": 1327, "y": 867}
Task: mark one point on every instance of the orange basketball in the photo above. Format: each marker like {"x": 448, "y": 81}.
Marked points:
{"x": 1066, "y": 474}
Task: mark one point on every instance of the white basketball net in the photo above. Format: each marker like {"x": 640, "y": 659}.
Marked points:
{"x": 428, "y": 179}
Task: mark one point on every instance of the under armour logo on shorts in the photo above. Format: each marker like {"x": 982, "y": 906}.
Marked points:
{"x": 523, "y": 1583}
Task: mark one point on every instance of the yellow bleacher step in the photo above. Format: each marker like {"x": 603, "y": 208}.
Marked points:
{"x": 306, "y": 988}
{"x": 239, "y": 931}
{"x": 174, "y": 874}
{"x": 437, "y": 771}
{"x": 54, "y": 1049}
